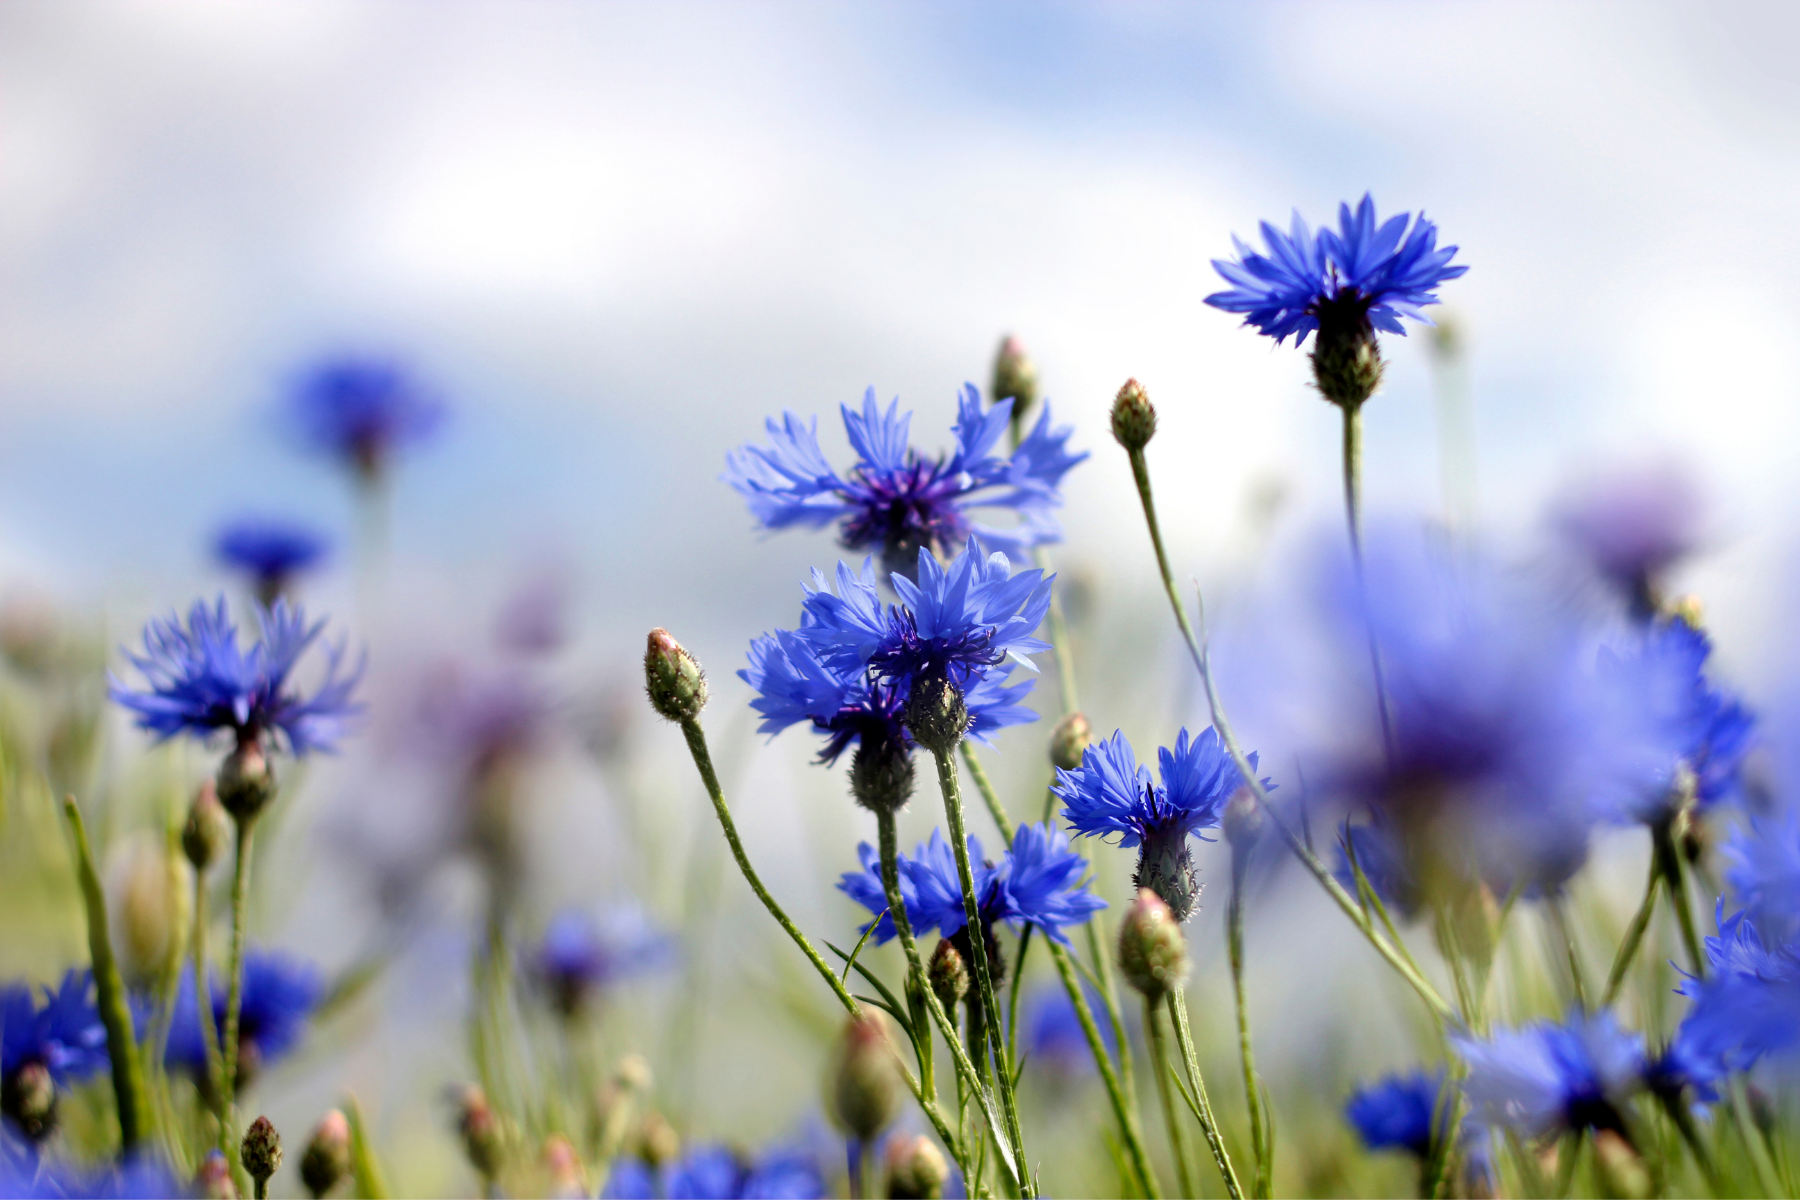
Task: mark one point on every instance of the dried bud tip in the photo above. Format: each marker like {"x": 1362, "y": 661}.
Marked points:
{"x": 1152, "y": 948}
{"x": 261, "y": 1150}
{"x": 1069, "y": 740}
{"x": 480, "y": 1131}
{"x": 1133, "y": 418}
{"x": 865, "y": 1088}
{"x": 916, "y": 1169}
{"x": 949, "y": 974}
{"x": 633, "y": 1072}
{"x": 675, "y": 682}
{"x": 327, "y": 1157}
{"x": 207, "y": 834}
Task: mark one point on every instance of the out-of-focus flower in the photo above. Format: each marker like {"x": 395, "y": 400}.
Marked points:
{"x": 1110, "y": 794}
{"x": 201, "y": 680}
{"x": 1747, "y": 1008}
{"x": 714, "y": 1172}
{"x": 1397, "y": 1112}
{"x": 1633, "y": 525}
{"x": 1763, "y": 858}
{"x": 1545, "y": 1078}
{"x": 1362, "y": 273}
{"x": 60, "y": 1042}
{"x": 581, "y": 956}
{"x": 1383, "y": 865}
{"x": 1053, "y": 1034}
{"x": 270, "y": 551}
{"x": 279, "y": 996}
{"x": 363, "y": 411}
{"x": 897, "y": 502}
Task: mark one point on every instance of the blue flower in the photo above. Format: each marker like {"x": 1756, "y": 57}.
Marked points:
{"x": 897, "y": 502}
{"x": 1037, "y": 883}
{"x": 1053, "y": 1032}
{"x": 270, "y": 551}
{"x": 1361, "y": 274}
{"x": 579, "y": 955}
{"x": 1764, "y": 873}
{"x": 1633, "y": 525}
{"x": 362, "y": 411}
{"x": 1383, "y": 865}
{"x": 279, "y": 996}
{"x": 64, "y": 1036}
{"x": 139, "y": 1177}
{"x": 960, "y": 622}
{"x": 714, "y": 1172}
{"x": 1109, "y": 794}
{"x": 1398, "y": 1112}
{"x": 202, "y": 680}
{"x": 1745, "y": 1009}
{"x": 1545, "y": 1078}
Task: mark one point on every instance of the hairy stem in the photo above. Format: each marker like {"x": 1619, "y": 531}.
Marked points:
{"x": 1160, "y": 1066}
{"x": 234, "y": 983}
{"x": 1209, "y": 1125}
{"x": 1234, "y": 924}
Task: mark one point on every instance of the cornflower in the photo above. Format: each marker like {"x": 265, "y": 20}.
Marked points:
{"x": 280, "y": 994}
{"x": 579, "y": 955}
{"x": 1548, "y": 1079}
{"x": 271, "y": 552}
{"x": 62, "y": 1041}
{"x": 361, "y": 411}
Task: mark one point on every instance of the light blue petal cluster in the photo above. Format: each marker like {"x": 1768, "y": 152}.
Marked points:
{"x": 268, "y": 549}
{"x": 1545, "y": 1078}
{"x": 64, "y": 1034}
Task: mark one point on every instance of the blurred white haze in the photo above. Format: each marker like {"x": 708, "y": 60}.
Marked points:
{"x": 616, "y": 236}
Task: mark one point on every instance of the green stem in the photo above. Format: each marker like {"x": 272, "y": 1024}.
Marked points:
{"x": 1565, "y": 1164}
{"x": 1160, "y": 1066}
{"x": 1109, "y": 995}
{"x": 1209, "y": 1125}
{"x": 109, "y": 994}
{"x": 1668, "y": 859}
{"x": 917, "y": 982}
{"x": 209, "y": 1031}
{"x": 1012, "y": 1000}
{"x": 1684, "y": 1124}
{"x": 1234, "y": 923}
{"x": 984, "y": 983}
{"x": 1558, "y": 917}
{"x": 1123, "y": 1111}
{"x": 1353, "y": 517}
{"x": 1440, "y": 1009}
{"x": 1634, "y": 936}
{"x": 988, "y": 795}
{"x": 234, "y": 985}
{"x": 1059, "y": 637}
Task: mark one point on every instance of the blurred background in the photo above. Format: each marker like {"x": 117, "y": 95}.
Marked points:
{"x": 612, "y": 238}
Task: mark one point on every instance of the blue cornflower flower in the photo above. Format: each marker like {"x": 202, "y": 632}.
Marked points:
{"x": 141, "y": 1176}
{"x": 1397, "y": 1112}
{"x": 1383, "y": 865}
{"x": 1632, "y": 525}
{"x": 579, "y": 955}
{"x": 1745, "y": 1009}
{"x": 202, "y": 680}
{"x": 1109, "y": 794}
{"x": 714, "y": 1172}
{"x": 1690, "y": 733}
{"x": 279, "y": 996}
{"x": 1764, "y": 873}
{"x": 270, "y": 551}
{"x": 1545, "y": 1078}
{"x": 362, "y": 411}
{"x": 1361, "y": 274}
{"x": 64, "y": 1036}
{"x": 1053, "y": 1033}
{"x": 897, "y": 502}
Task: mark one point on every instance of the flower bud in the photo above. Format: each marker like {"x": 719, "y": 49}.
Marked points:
{"x": 916, "y": 1169}
{"x": 1015, "y": 378}
{"x": 949, "y": 974}
{"x": 1165, "y": 866}
{"x": 246, "y": 781}
{"x": 261, "y": 1152}
{"x": 480, "y": 1130}
{"x": 936, "y": 715}
{"x": 1152, "y": 948}
{"x": 1346, "y": 359}
{"x": 676, "y": 684}
{"x": 1069, "y": 740}
{"x": 881, "y": 775}
{"x": 563, "y": 1167}
{"x": 633, "y": 1073}
{"x": 207, "y": 834}
{"x": 28, "y": 1096}
{"x": 213, "y": 1180}
{"x": 148, "y": 906}
{"x": 1243, "y": 820}
{"x": 865, "y": 1086}
{"x": 1133, "y": 419}
{"x": 327, "y": 1157}
{"x": 657, "y": 1142}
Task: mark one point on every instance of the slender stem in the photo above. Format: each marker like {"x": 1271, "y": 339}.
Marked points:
{"x": 1558, "y": 917}
{"x": 1634, "y": 936}
{"x": 1684, "y": 1124}
{"x": 1353, "y": 517}
{"x": 988, "y": 795}
{"x": 234, "y": 984}
{"x": 262, "y": 1189}
{"x": 209, "y": 1031}
{"x": 1568, "y": 1153}
{"x": 1209, "y": 1125}
{"x": 1160, "y": 1066}
{"x": 984, "y": 983}
{"x": 1197, "y": 651}
{"x": 109, "y": 994}
{"x": 1059, "y": 637}
{"x": 1123, "y": 1112}
{"x": 917, "y": 983}
{"x": 1761, "y": 1162}
{"x": 1668, "y": 859}
{"x": 696, "y": 740}
{"x": 1234, "y": 923}
{"x": 1012, "y": 1000}
{"x": 1109, "y": 995}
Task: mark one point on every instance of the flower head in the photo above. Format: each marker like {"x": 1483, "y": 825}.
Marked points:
{"x": 579, "y": 955}
{"x": 1382, "y": 864}
{"x": 270, "y": 551}
{"x": 715, "y": 1172}
{"x": 1764, "y": 874}
{"x": 1745, "y": 1009}
{"x": 1362, "y": 273}
{"x": 64, "y": 1035}
{"x": 362, "y": 411}
{"x": 1633, "y": 525}
{"x": 1546, "y": 1078}
{"x": 279, "y": 995}
{"x": 895, "y": 501}
{"x": 201, "y": 680}
{"x": 1397, "y": 1112}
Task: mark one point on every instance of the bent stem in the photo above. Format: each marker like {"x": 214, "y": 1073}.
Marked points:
{"x": 1234, "y": 922}
{"x": 1440, "y": 1009}
{"x": 1160, "y": 1067}
{"x": 984, "y": 984}
{"x": 1177, "y": 1002}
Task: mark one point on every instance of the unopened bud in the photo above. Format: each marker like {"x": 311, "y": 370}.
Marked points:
{"x": 1243, "y": 820}
{"x": 881, "y": 775}
{"x": 865, "y": 1085}
{"x": 936, "y": 715}
{"x": 1152, "y": 948}
{"x": 633, "y": 1073}
{"x": 658, "y": 1143}
{"x": 207, "y": 834}
{"x": 676, "y": 684}
{"x": 28, "y": 1096}
{"x": 246, "y": 781}
{"x": 213, "y": 1180}
{"x": 1015, "y": 378}
{"x": 1069, "y": 740}
{"x": 261, "y": 1152}
{"x": 148, "y": 906}
{"x": 480, "y": 1130}
{"x": 916, "y": 1169}
{"x": 949, "y": 974}
{"x": 327, "y": 1157}
{"x": 566, "y": 1179}
{"x": 1133, "y": 419}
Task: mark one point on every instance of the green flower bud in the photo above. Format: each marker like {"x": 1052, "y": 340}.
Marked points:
{"x": 916, "y": 1169}
{"x": 246, "y": 781}
{"x": 28, "y": 1096}
{"x": 480, "y": 1130}
{"x": 949, "y": 974}
{"x": 865, "y": 1088}
{"x": 327, "y": 1157}
{"x": 1133, "y": 418}
{"x": 207, "y": 834}
{"x": 148, "y": 905}
{"x": 936, "y": 714}
{"x": 1069, "y": 740}
{"x": 881, "y": 776}
{"x": 1152, "y": 948}
{"x": 676, "y": 684}
{"x": 1015, "y": 378}
{"x": 213, "y": 1180}
{"x": 261, "y": 1152}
